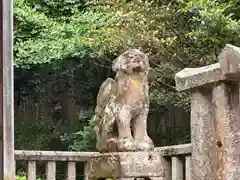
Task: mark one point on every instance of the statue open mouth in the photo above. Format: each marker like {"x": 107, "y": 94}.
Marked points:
{"x": 138, "y": 69}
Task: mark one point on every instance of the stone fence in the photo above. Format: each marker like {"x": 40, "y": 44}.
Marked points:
{"x": 177, "y": 161}
{"x": 215, "y": 120}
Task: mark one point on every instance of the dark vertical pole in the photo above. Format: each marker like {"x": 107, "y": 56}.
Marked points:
{"x": 7, "y": 163}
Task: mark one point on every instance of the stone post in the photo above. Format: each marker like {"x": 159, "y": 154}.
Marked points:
{"x": 215, "y": 124}
{"x": 202, "y": 135}
{"x": 7, "y": 163}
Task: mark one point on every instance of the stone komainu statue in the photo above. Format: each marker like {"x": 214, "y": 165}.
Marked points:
{"x": 122, "y": 106}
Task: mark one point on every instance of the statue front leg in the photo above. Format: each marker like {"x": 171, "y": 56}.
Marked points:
{"x": 105, "y": 131}
{"x": 123, "y": 119}
{"x": 143, "y": 141}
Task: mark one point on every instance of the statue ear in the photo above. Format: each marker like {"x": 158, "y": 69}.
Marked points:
{"x": 116, "y": 65}
{"x": 119, "y": 64}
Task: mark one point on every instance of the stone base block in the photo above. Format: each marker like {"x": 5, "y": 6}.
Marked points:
{"x": 126, "y": 165}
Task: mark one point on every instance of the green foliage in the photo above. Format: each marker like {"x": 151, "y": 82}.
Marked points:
{"x": 83, "y": 139}
{"x": 42, "y": 130}
{"x": 51, "y": 40}
{"x": 211, "y": 27}
{"x": 58, "y": 9}
{"x": 176, "y": 34}
{"x": 23, "y": 176}
{"x": 40, "y": 39}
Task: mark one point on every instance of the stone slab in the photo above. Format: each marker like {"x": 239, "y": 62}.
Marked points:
{"x": 229, "y": 60}
{"x": 228, "y": 68}
{"x": 175, "y": 150}
{"x": 190, "y": 78}
{"x": 53, "y": 155}
{"x": 125, "y": 165}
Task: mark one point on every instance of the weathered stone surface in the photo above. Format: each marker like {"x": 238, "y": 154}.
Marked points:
{"x": 203, "y": 135}
{"x": 215, "y": 114}
{"x": 177, "y": 169}
{"x": 228, "y": 68}
{"x": 215, "y": 132}
{"x": 194, "y": 77}
{"x": 182, "y": 149}
{"x": 226, "y": 103}
{"x": 53, "y": 155}
{"x": 126, "y": 165}
{"x": 123, "y": 105}
{"x": 188, "y": 168}
{"x": 229, "y": 60}
{"x": 26, "y": 155}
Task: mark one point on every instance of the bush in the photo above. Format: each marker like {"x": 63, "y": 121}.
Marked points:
{"x": 23, "y": 176}
{"x": 83, "y": 139}
{"x": 42, "y": 128}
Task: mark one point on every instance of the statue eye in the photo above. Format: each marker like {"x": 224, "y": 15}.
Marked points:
{"x": 125, "y": 71}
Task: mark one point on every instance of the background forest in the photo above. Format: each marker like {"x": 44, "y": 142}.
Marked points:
{"x": 63, "y": 51}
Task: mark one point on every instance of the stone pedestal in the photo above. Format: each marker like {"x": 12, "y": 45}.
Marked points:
{"x": 127, "y": 165}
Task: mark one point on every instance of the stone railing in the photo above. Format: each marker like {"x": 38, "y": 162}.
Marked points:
{"x": 51, "y": 157}
{"x": 177, "y": 161}
{"x": 215, "y": 116}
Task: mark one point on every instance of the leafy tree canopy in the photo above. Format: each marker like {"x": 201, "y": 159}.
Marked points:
{"x": 78, "y": 39}
{"x": 40, "y": 38}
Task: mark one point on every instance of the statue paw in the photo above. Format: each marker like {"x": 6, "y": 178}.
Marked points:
{"x": 112, "y": 145}
{"x": 126, "y": 144}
